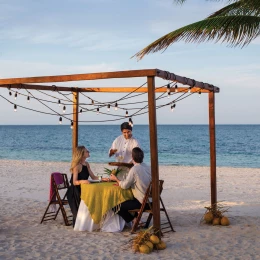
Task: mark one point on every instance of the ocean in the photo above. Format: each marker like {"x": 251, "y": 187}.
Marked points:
{"x": 236, "y": 145}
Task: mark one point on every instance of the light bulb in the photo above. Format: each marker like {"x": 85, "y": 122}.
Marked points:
{"x": 199, "y": 93}
{"x": 97, "y": 111}
{"x": 116, "y": 105}
{"x": 80, "y": 112}
{"x": 126, "y": 113}
{"x": 15, "y": 108}
{"x": 10, "y": 93}
{"x": 71, "y": 125}
{"x": 28, "y": 99}
{"x": 59, "y": 102}
{"x": 60, "y": 120}
{"x": 64, "y": 109}
{"x": 168, "y": 88}
{"x": 176, "y": 88}
{"x": 92, "y": 102}
{"x": 108, "y": 107}
{"x": 189, "y": 89}
{"x": 15, "y": 95}
{"x": 169, "y": 95}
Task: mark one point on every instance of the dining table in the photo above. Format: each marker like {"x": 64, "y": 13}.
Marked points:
{"x": 95, "y": 210}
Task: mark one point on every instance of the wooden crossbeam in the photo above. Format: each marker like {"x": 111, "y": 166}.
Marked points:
{"x": 102, "y": 89}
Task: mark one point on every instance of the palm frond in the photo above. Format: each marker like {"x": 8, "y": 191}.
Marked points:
{"x": 242, "y": 7}
{"x": 235, "y": 30}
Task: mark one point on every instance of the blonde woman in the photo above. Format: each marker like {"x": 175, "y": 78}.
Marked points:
{"x": 80, "y": 171}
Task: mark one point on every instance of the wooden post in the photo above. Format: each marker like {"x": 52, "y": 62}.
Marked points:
{"x": 75, "y": 120}
{"x": 154, "y": 154}
{"x": 212, "y": 138}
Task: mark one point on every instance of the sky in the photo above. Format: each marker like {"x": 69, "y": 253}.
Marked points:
{"x": 61, "y": 37}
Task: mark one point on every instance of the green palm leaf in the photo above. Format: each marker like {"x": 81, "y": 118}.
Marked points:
{"x": 235, "y": 30}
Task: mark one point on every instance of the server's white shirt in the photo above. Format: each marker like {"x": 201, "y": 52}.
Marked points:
{"x": 124, "y": 148}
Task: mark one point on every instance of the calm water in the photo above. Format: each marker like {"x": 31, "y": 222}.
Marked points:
{"x": 237, "y": 145}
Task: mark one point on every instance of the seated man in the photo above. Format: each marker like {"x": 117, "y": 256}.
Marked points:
{"x": 138, "y": 178}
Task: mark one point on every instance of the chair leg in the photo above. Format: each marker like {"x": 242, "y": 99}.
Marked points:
{"x": 164, "y": 209}
{"x": 148, "y": 220}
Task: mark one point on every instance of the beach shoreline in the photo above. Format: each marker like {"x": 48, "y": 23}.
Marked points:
{"x": 24, "y": 196}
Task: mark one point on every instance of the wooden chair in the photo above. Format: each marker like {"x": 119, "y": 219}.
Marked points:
{"x": 59, "y": 200}
{"x": 147, "y": 208}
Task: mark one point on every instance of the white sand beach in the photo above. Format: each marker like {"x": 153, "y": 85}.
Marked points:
{"x": 25, "y": 189}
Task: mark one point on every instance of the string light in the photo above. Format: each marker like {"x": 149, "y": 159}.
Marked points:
{"x": 126, "y": 113}
{"x": 59, "y": 102}
{"x": 199, "y": 93}
{"x": 71, "y": 124}
{"x": 189, "y": 90}
{"x": 15, "y": 107}
{"x": 98, "y": 111}
{"x": 80, "y": 112}
{"x": 168, "y": 89}
{"x": 15, "y": 95}
{"x": 108, "y": 107}
{"x": 64, "y": 109}
{"x": 60, "y": 120}
{"x": 169, "y": 94}
{"x": 116, "y": 105}
{"x": 131, "y": 122}
{"x": 172, "y": 107}
{"x": 92, "y": 102}
{"x": 10, "y": 93}
{"x": 176, "y": 88}
{"x": 28, "y": 99}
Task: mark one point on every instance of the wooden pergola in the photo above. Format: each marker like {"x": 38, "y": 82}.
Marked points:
{"x": 151, "y": 74}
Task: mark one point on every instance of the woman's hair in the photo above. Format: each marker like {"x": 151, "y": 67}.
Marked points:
{"x": 77, "y": 156}
{"x": 137, "y": 155}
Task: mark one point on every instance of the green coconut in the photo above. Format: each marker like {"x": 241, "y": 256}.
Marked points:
{"x": 208, "y": 217}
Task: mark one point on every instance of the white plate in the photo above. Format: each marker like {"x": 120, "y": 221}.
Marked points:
{"x": 94, "y": 181}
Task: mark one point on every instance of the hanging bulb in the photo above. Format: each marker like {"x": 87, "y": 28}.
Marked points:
{"x": 10, "y": 93}
{"x": 64, "y": 109}
{"x": 126, "y": 113}
{"x": 71, "y": 124}
{"x": 108, "y": 107}
{"x": 28, "y": 99}
{"x": 116, "y": 106}
{"x": 131, "y": 122}
{"x": 59, "y": 102}
{"x": 199, "y": 93}
{"x": 15, "y": 108}
{"x": 60, "y": 120}
{"x": 92, "y": 102}
{"x": 176, "y": 88}
{"x": 169, "y": 94}
{"x": 172, "y": 108}
{"x": 97, "y": 110}
{"x": 189, "y": 89}
{"x": 168, "y": 88}
{"x": 15, "y": 95}
{"x": 80, "y": 112}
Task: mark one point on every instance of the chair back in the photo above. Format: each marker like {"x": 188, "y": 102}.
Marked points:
{"x": 60, "y": 180}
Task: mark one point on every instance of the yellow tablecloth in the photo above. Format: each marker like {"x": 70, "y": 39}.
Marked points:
{"x": 101, "y": 197}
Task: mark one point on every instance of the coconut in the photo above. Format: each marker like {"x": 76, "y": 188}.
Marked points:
{"x": 150, "y": 245}
{"x": 161, "y": 245}
{"x": 144, "y": 249}
{"x": 224, "y": 221}
{"x": 216, "y": 221}
{"x": 136, "y": 248}
{"x": 208, "y": 217}
{"x": 154, "y": 239}
{"x": 113, "y": 172}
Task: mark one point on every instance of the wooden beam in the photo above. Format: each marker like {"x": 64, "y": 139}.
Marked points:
{"x": 79, "y": 77}
{"x": 37, "y": 87}
{"x": 154, "y": 154}
{"x": 212, "y": 138}
{"x": 75, "y": 120}
{"x": 101, "y": 89}
{"x": 144, "y": 89}
{"x": 185, "y": 81}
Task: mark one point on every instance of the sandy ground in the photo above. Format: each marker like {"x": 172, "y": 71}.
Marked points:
{"x": 24, "y": 194}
